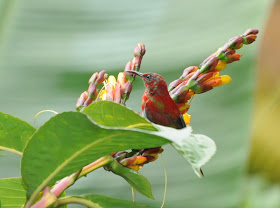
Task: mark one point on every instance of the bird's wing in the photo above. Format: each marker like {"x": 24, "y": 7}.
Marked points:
{"x": 164, "y": 119}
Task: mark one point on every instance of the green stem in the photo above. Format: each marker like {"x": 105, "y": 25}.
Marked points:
{"x": 76, "y": 200}
{"x": 95, "y": 165}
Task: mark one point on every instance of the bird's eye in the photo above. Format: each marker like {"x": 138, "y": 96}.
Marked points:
{"x": 149, "y": 76}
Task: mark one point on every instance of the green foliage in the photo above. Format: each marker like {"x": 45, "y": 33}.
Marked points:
{"x": 108, "y": 202}
{"x": 71, "y": 140}
{"x": 197, "y": 149}
{"x": 110, "y": 114}
{"x": 81, "y": 141}
{"x": 135, "y": 179}
{"x": 14, "y": 133}
{"x": 12, "y": 193}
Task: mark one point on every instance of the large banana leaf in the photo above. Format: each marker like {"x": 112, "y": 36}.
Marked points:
{"x": 48, "y": 50}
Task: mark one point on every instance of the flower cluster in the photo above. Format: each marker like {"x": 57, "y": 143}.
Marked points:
{"x": 197, "y": 80}
{"x": 116, "y": 90}
{"x": 119, "y": 90}
{"x": 137, "y": 158}
{"x": 87, "y": 97}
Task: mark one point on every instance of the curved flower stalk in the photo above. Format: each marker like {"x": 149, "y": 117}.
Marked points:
{"x": 197, "y": 80}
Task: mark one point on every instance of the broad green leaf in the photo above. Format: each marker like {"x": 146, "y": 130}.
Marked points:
{"x": 108, "y": 202}
{"x": 197, "y": 149}
{"x": 12, "y": 193}
{"x": 69, "y": 141}
{"x": 114, "y": 115}
{"x": 134, "y": 178}
{"x": 14, "y": 133}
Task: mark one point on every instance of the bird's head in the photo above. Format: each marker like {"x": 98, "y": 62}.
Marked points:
{"x": 152, "y": 81}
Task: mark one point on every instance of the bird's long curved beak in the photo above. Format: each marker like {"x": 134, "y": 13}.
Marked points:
{"x": 136, "y": 72}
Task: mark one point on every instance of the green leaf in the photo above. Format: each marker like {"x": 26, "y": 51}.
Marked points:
{"x": 197, "y": 149}
{"x": 115, "y": 115}
{"x": 14, "y": 133}
{"x": 12, "y": 193}
{"x": 134, "y": 178}
{"x": 69, "y": 141}
{"x": 108, "y": 202}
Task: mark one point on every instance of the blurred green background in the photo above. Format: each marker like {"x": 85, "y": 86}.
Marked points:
{"x": 49, "y": 49}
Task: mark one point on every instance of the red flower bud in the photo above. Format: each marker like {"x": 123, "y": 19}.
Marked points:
{"x": 236, "y": 42}
{"x": 249, "y": 39}
{"x": 156, "y": 150}
{"x": 203, "y": 77}
{"x": 233, "y": 57}
{"x": 251, "y": 32}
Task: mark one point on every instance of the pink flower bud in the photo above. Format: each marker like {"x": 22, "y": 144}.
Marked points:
{"x": 251, "y": 32}
{"x": 91, "y": 89}
{"x": 136, "y": 62}
{"x": 139, "y": 50}
{"x": 207, "y": 59}
{"x": 209, "y": 65}
{"x": 188, "y": 70}
{"x": 117, "y": 95}
{"x": 174, "y": 84}
{"x": 121, "y": 79}
{"x": 81, "y": 100}
{"x": 88, "y": 101}
{"x": 128, "y": 87}
{"x": 93, "y": 78}
{"x": 110, "y": 92}
{"x": 101, "y": 77}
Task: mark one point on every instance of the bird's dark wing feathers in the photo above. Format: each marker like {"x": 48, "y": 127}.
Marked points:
{"x": 177, "y": 124}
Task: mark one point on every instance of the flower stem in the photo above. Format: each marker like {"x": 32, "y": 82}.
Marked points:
{"x": 76, "y": 200}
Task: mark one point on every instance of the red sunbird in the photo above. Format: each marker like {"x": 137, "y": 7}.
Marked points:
{"x": 157, "y": 105}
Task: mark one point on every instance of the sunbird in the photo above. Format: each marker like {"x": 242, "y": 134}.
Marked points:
{"x": 157, "y": 105}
